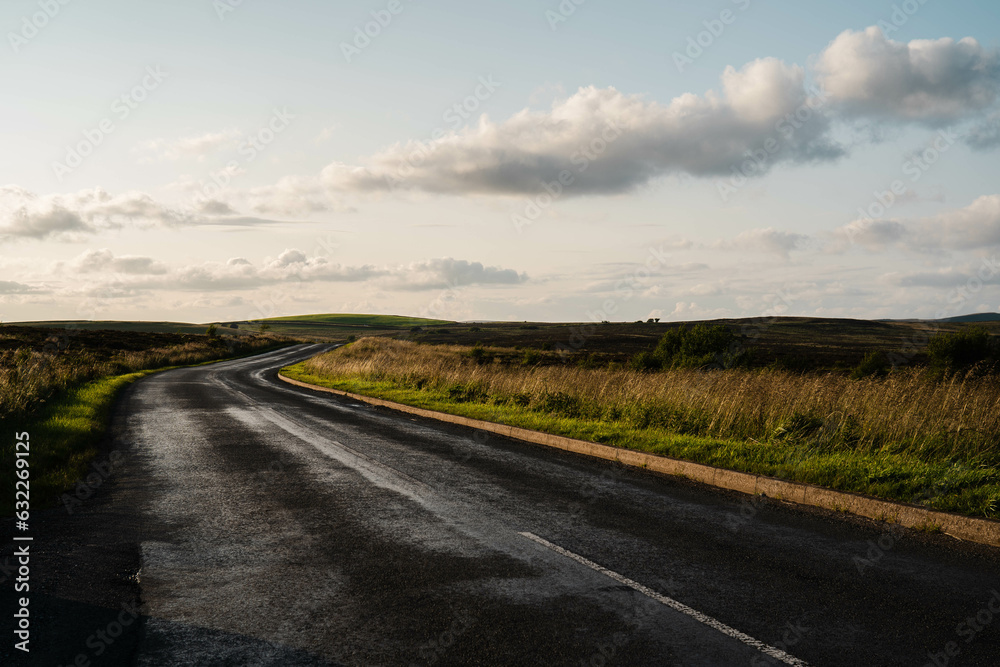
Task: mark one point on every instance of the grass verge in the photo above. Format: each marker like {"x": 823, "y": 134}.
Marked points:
{"x": 66, "y": 434}
{"x": 888, "y": 473}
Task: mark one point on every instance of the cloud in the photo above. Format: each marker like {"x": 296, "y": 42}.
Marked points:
{"x": 101, "y": 261}
{"x": 215, "y": 207}
{"x": 985, "y": 135}
{"x": 11, "y": 287}
{"x": 974, "y": 227}
{"x": 26, "y": 215}
{"x": 450, "y": 273}
{"x": 328, "y": 133}
{"x": 608, "y": 141}
{"x": 197, "y": 147}
{"x": 290, "y": 267}
{"x": 767, "y": 240}
{"x": 930, "y": 81}
{"x": 292, "y": 195}
{"x": 681, "y": 310}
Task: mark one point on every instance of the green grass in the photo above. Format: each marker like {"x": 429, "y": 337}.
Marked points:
{"x": 65, "y": 437}
{"x": 66, "y": 432}
{"x": 970, "y": 490}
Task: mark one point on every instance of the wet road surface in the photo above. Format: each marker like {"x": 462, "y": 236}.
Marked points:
{"x": 256, "y": 523}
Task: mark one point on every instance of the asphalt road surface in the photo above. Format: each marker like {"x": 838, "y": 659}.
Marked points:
{"x": 244, "y": 521}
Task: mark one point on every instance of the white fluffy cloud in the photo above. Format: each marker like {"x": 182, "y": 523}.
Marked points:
{"x": 103, "y": 260}
{"x": 935, "y": 81}
{"x": 197, "y": 147}
{"x": 451, "y": 273}
{"x": 25, "y": 215}
{"x": 12, "y": 287}
{"x": 974, "y": 227}
{"x": 610, "y": 142}
{"x": 292, "y": 195}
{"x": 768, "y": 240}
{"x": 290, "y": 267}
{"x": 985, "y": 135}
{"x": 607, "y": 141}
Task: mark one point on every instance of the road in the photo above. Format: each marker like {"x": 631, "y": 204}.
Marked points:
{"x": 262, "y": 524}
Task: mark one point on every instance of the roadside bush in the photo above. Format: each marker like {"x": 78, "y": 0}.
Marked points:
{"x": 800, "y": 425}
{"x": 698, "y": 347}
{"x": 874, "y": 364}
{"x": 645, "y": 361}
{"x": 561, "y": 404}
{"x": 531, "y": 358}
{"x": 467, "y": 393}
{"x": 962, "y": 349}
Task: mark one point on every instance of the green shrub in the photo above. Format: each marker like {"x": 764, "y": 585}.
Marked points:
{"x": 800, "y": 425}
{"x": 698, "y": 347}
{"x": 961, "y": 349}
{"x": 645, "y": 361}
{"x": 561, "y": 404}
{"x": 478, "y": 354}
{"x": 531, "y": 357}
{"x": 468, "y": 393}
{"x": 874, "y": 364}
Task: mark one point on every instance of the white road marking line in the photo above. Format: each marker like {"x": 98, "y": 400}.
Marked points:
{"x": 775, "y": 653}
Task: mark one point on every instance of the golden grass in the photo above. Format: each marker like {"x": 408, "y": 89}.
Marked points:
{"x": 28, "y": 377}
{"x": 910, "y": 411}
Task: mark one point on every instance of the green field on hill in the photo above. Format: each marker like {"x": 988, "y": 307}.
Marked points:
{"x": 333, "y": 326}
{"x": 362, "y": 320}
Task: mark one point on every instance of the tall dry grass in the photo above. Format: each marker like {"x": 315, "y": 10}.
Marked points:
{"x": 29, "y": 377}
{"x": 910, "y": 411}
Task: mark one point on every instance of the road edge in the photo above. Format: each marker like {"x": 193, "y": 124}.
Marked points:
{"x": 981, "y": 531}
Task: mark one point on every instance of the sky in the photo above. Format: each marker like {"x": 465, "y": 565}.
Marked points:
{"x": 583, "y": 160}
